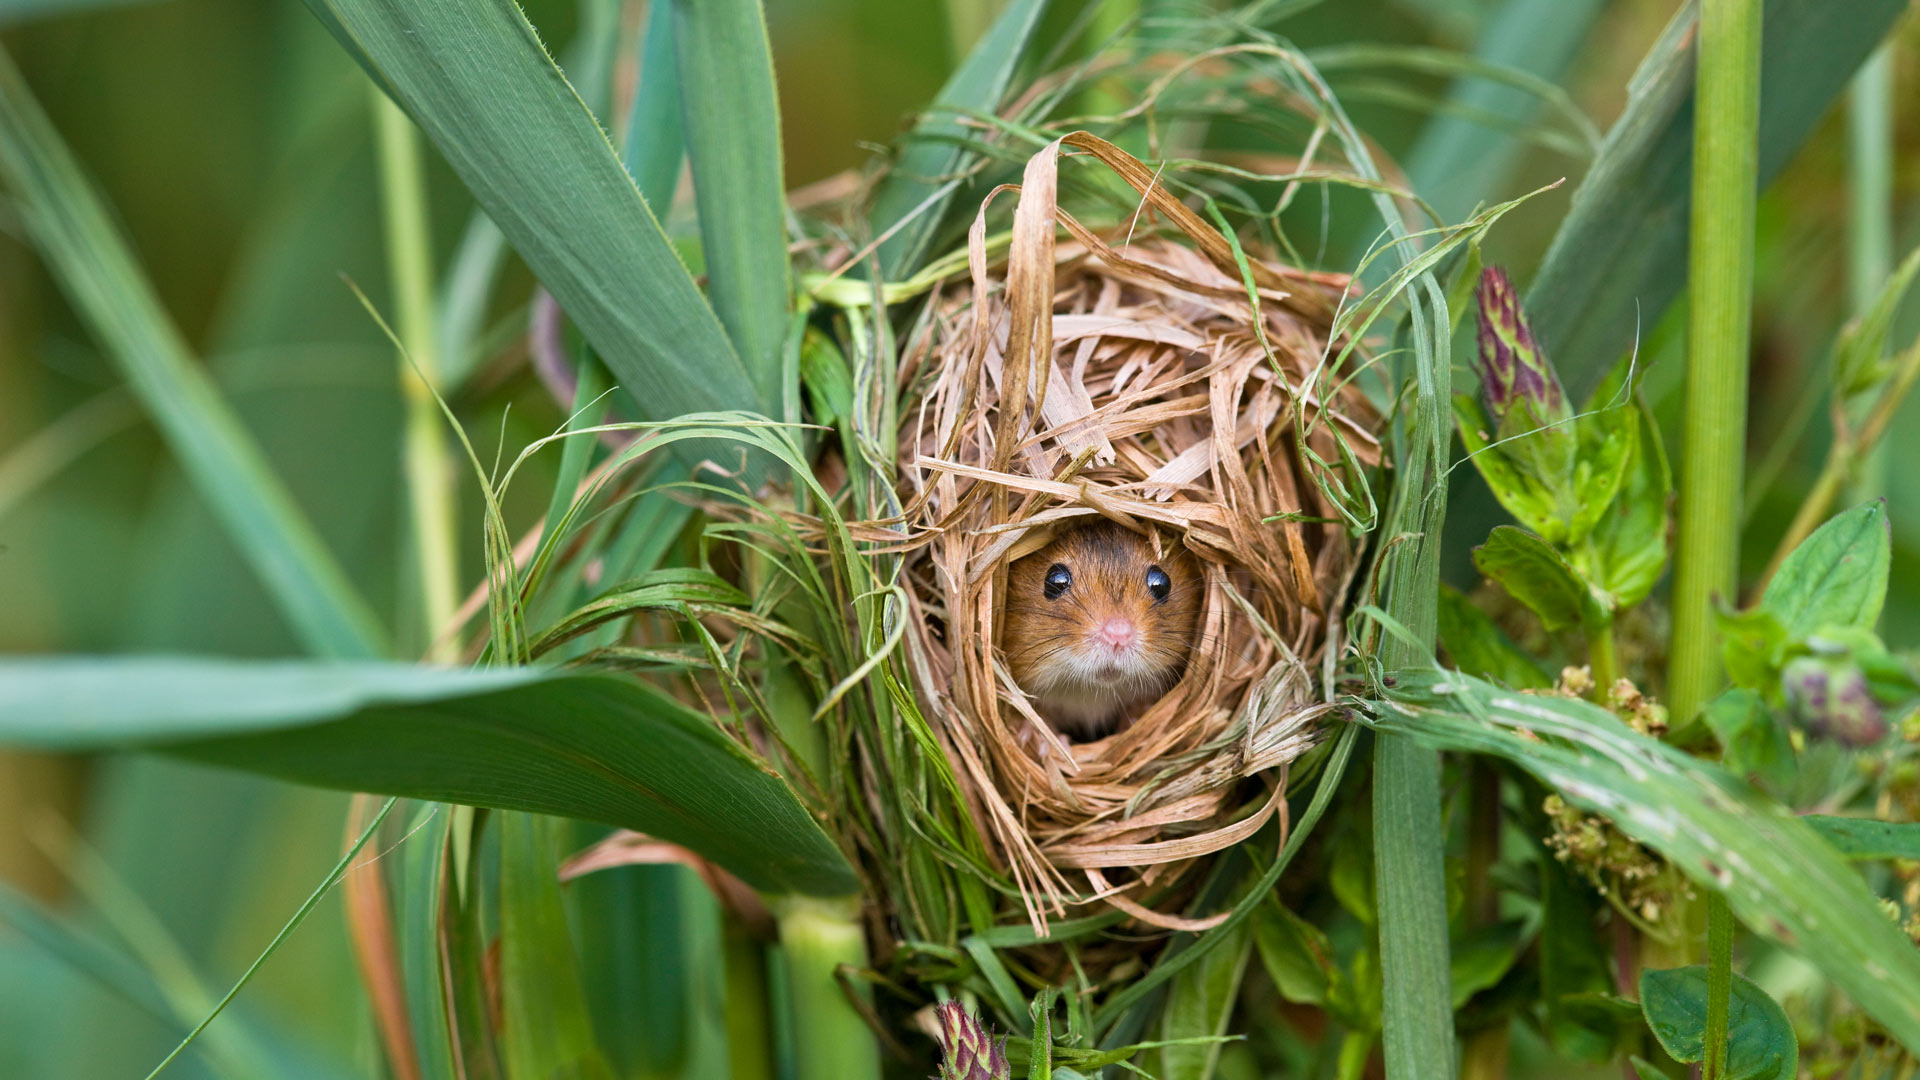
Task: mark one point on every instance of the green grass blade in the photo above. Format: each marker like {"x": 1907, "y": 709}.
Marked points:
{"x": 13, "y": 11}
{"x": 1619, "y": 258}
{"x": 1457, "y": 162}
{"x": 927, "y": 162}
{"x": 418, "y": 899}
{"x": 656, "y": 140}
{"x": 548, "y": 1030}
{"x": 733, "y": 142}
{"x": 85, "y": 251}
{"x": 593, "y": 746}
{"x": 1779, "y": 877}
{"x": 476, "y": 79}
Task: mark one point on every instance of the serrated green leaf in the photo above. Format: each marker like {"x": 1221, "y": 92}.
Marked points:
{"x": 1760, "y": 1040}
{"x": 732, "y": 120}
{"x": 930, "y": 159}
{"x": 547, "y": 1030}
{"x": 1778, "y": 876}
{"x": 475, "y": 78}
{"x": 1626, "y": 552}
{"x": 74, "y": 231}
{"x": 1535, "y": 574}
{"x": 594, "y": 746}
{"x": 1608, "y": 440}
{"x": 1618, "y": 258}
{"x": 1524, "y": 498}
{"x": 1479, "y": 647}
{"x": 1837, "y": 576}
{"x": 1866, "y": 838}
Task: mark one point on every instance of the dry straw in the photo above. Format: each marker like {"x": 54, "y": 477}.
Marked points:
{"x": 1161, "y": 377}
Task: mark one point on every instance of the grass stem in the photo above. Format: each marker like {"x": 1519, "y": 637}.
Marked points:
{"x": 1870, "y": 138}
{"x": 430, "y": 492}
{"x": 1726, "y": 133}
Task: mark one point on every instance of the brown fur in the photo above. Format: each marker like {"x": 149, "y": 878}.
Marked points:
{"x": 1109, "y": 564}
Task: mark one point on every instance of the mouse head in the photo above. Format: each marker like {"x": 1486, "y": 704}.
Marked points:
{"x": 1100, "y": 618}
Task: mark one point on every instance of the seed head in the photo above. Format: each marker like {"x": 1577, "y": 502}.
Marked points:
{"x": 1514, "y": 373}
{"x": 968, "y": 1050}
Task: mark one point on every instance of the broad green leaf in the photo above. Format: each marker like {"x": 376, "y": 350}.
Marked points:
{"x": 1479, "y": 647}
{"x": 476, "y": 79}
{"x": 75, "y": 232}
{"x": 931, "y": 162}
{"x": 1297, "y": 956}
{"x": 1778, "y": 876}
{"x": 1866, "y": 838}
{"x": 1760, "y": 1040}
{"x": 594, "y": 746}
{"x": 1752, "y": 645}
{"x": 656, "y": 141}
{"x": 547, "y": 1030}
{"x": 732, "y": 129}
{"x": 1837, "y": 576}
{"x": 1753, "y": 741}
{"x": 1534, "y": 574}
{"x": 1199, "y": 1006}
{"x": 1482, "y": 958}
{"x": 1618, "y": 258}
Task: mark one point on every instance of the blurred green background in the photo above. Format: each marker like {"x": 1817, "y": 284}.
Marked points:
{"x": 233, "y": 137}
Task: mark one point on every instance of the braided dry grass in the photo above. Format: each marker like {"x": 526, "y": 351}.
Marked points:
{"x": 1135, "y": 380}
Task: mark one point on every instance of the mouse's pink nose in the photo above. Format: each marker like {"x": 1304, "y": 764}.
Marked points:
{"x": 1117, "y": 634}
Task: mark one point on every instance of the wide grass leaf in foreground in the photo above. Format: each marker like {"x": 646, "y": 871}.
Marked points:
{"x": 1779, "y": 877}
{"x": 600, "y": 747}
{"x": 476, "y": 79}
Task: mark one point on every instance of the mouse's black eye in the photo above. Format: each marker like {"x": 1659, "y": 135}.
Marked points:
{"x": 1059, "y": 580}
{"x": 1158, "y": 583}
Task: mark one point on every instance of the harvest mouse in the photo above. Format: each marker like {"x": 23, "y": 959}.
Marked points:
{"x": 1098, "y": 624}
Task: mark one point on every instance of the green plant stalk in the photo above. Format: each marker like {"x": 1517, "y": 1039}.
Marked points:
{"x": 1601, "y": 659}
{"x": 749, "y": 1041}
{"x": 1845, "y": 450}
{"x": 1870, "y": 214}
{"x": 830, "y": 1039}
{"x": 1726, "y": 136}
{"x": 430, "y": 493}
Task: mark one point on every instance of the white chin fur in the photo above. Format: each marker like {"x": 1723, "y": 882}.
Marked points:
{"x": 1092, "y": 699}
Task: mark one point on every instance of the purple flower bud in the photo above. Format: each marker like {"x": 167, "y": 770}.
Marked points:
{"x": 968, "y": 1050}
{"x": 1831, "y": 699}
{"x": 1515, "y": 378}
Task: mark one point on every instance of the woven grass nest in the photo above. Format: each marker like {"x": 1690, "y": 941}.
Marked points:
{"x": 1130, "y": 377}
